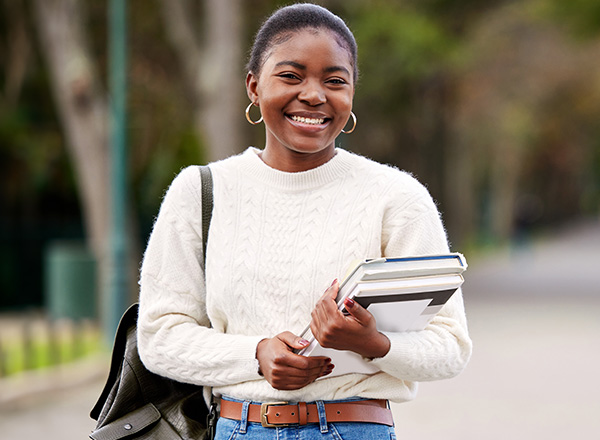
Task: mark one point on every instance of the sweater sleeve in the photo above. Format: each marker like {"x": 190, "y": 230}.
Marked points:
{"x": 442, "y": 350}
{"x": 174, "y": 335}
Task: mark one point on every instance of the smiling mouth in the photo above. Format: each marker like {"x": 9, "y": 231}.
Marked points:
{"x": 310, "y": 121}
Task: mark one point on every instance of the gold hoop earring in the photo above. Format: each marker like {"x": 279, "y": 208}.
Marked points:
{"x": 353, "y": 126}
{"x": 248, "y": 115}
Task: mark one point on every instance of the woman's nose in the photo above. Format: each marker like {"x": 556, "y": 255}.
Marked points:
{"x": 313, "y": 94}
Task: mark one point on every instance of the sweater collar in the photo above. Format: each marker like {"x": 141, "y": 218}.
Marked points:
{"x": 334, "y": 169}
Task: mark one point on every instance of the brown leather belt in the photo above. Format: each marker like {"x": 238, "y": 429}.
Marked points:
{"x": 279, "y": 414}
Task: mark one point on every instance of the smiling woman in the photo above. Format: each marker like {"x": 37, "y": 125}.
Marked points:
{"x": 287, "y": 220}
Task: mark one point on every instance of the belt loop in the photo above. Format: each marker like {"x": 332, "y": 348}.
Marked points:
{"x": 302, "y": 413}
{"x": 322, "y": 416}
{"x": 244, "y": 418}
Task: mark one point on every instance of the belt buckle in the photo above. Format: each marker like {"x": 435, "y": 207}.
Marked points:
{"x": 264, "y": 407}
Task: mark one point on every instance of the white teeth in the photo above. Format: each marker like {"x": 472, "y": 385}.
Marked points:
{"x": 304, "y": 120}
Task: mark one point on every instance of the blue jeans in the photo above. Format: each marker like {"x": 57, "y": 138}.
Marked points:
{"x": 228, "y": 429}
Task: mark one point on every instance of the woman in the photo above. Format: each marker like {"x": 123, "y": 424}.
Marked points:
{"x": 287, "y": 220}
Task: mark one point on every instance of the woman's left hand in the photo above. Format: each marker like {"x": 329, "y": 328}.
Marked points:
{"x": 356, "y": 332}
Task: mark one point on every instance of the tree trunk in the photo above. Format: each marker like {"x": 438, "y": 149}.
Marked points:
{"x": 459, "y": 192}
{"x": 211, "y": 69}
{"x": 222, "y": 78}
{"x": 82, "y": 110}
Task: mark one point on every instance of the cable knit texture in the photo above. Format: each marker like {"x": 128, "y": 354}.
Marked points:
{"x": 276, "y": 242}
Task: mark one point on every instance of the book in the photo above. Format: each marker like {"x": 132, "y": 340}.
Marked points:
{"x": 403, "y": 294}
{"x": 405, "y": 267}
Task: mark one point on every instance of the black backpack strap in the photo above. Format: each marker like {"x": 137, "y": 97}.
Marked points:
{"x": 207, "y": 209}
{"x": 207, "y": 204}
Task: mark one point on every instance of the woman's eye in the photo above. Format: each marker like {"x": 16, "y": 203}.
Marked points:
{"x": 336, "y": 81}
{"x": 288, "y": 76}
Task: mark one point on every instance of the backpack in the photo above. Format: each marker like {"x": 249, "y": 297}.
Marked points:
{"x": 138, "y": 404}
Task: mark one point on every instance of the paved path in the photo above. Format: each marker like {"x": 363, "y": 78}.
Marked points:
{"x": 533, "y": 375}
{"x": 534, "y": 322}
{"x": 53, "y": 405}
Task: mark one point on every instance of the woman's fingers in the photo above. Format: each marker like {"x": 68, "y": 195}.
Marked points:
{"x": 284, "y": 377}
{"x": 292, "y": 341}
{"x": 355, "y": 331}
{"x": 286, "y": 370}
{"x": 326, "y": 310}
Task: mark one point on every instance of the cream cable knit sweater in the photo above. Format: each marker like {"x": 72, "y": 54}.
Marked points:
{"x": 276, "y": 242}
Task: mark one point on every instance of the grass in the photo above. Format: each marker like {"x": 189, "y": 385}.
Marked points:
{"x": 47, "y": 346}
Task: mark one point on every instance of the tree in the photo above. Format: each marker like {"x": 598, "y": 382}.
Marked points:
{"x": 82, "y": 107}
{"x": 211, "y": 68}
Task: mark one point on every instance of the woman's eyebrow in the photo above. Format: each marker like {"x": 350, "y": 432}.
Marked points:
{"x": 292, "y": 64}
{"x": 334, "y": 69}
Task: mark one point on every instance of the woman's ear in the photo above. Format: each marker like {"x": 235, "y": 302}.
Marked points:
{"x": 251, "y": 87}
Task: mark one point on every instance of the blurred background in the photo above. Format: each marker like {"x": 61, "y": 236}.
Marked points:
{"x": 493, "y": 105}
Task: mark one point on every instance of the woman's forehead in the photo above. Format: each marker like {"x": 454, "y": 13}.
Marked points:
{"x": 309, "y": 43}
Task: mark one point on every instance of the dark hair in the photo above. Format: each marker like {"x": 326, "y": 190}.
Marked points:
{"x": 294, "y": 18}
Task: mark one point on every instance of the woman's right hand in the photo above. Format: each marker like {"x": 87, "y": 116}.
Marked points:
{"x": 286, "y": 370}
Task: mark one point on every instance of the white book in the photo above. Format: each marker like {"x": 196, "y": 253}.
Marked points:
{"x": 387, "y": 303}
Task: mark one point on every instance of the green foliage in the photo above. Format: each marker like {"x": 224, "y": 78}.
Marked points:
{"x": 581, "y": 16}
{"x": 31, "y": 145}
{"x": 405, "y": 53}
{"x": 399, "y": 44}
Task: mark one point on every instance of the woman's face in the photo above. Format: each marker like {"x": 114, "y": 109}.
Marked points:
{"x": 304, "y": 92}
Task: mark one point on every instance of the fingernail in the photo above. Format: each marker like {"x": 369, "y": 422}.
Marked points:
{"x": 303, "y": 342}
{"x": 334, "y": 281}
{"x": 349, "y": 303}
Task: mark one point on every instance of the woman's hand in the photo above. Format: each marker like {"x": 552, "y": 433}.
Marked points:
{"x": 356, "y": 332}
{"x": 286, "y": 370}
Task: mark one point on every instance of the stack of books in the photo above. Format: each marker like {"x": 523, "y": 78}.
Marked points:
{"x": 403, "y": 294}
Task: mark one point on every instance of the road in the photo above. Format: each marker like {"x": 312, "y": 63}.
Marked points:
{"x": 533, "y": 318}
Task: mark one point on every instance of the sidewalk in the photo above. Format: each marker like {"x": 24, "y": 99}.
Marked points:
{"x": 534, "y": 322}
{"x": 52, "y": 404}
{"x": 533, "y": 375}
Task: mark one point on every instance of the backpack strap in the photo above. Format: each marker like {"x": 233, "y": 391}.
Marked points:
{"x": 207, "y": 209}
{"x": 207, "y": 204}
